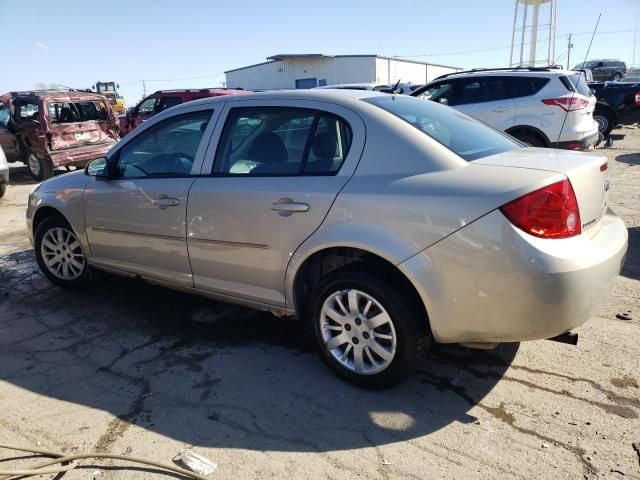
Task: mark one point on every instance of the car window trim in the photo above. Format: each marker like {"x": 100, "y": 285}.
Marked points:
{"x": 115, "y": 159}
{"x": 301, "y": 173}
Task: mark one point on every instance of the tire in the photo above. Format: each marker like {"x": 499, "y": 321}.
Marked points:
{"x": 530, "y": 139}
{"x": 617, "y": 77}
{"x": 606, "y": 121}
{"x": 39, "y": 168}
{"x": 3, "y": 189}
{"x": 55, "y": 240}
{"x": 386, "y": 361}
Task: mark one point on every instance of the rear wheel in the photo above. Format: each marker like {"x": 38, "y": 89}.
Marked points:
{"x": 605, "y": 120}
{"x": 59, "y": 254}
{"x": 617, "y": 77}
{"x": 367, "y": 332}
{"x": 39, "y": 168}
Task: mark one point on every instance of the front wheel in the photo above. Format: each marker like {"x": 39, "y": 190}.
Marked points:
{"x": 367, "y": 331}
{"x": 59, "y": 254}
{"x": 617, "y": 77}
{"x": 39, "y": 168}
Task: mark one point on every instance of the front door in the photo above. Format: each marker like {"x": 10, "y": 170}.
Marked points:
{"x": 7, "y": 140}
{"x": 135, "y": 222}
{"x": 277, "y": 171}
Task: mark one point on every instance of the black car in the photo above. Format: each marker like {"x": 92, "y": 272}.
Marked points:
{"x": 605, "y": 70}
{"x": 617, "y": 103}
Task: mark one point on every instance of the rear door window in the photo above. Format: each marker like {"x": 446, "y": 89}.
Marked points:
{"x": 480, "y": 90}
{"x": 26, "y": 111}
{"x": 168, "y": 102}
{"x": 281, "y": 141}
{"x": 526, "y": 86}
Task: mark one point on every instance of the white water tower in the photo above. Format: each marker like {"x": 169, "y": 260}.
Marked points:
{"x": 528, "y": 31}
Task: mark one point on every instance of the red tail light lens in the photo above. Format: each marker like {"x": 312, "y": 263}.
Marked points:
{"x": 568, "y": 104}
{"x": 550, "y": 212}
{"x": 638, "y": 98}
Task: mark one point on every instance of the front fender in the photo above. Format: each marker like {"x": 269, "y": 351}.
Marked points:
{"x": 64, "y": 194}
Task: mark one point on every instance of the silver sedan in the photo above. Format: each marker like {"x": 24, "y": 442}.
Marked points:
{"x": 385, "y": 222}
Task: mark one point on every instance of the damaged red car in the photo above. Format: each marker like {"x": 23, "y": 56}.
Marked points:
{"x": 46, "y": 129}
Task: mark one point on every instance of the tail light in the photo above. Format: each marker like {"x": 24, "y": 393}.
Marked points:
{"x": 638, "y": 98}
{"x": 550, "y": 212}
{"x": 568, "y": 104}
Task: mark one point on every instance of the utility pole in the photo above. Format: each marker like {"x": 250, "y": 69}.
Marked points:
{"x": 144, "y": 89}
{"x": 635, "y": 41}
{"x": 569, "y": 47}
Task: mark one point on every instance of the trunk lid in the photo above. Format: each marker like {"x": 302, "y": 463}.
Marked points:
{"x": 73, "y": 135}
{"x": 587, "y": 172}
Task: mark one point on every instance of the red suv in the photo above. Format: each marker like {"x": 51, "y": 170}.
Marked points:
{"x": 52, "y": 128}
{"x": 163, "y": 99}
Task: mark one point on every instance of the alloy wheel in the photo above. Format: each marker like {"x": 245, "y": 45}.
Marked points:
{"x": 62, "y": 254}
{"x": 358, "y": 332}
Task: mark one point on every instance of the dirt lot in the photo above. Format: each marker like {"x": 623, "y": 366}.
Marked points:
{"x": 133, "y": 369}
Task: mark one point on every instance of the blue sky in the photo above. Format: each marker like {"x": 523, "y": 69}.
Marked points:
{"x": 75, "y": 43}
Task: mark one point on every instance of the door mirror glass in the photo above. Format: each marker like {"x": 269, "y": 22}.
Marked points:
{"x": 98, "y": 168}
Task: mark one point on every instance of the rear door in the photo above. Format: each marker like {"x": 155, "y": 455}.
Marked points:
{"x": 487, "y": 98}
{"x": 278, "y": 168}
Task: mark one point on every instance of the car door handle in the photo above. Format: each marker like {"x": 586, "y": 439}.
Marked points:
{"x": 501, "y": 109}
{"x": 289, "y": 206}
{"x": 164, "y": 201}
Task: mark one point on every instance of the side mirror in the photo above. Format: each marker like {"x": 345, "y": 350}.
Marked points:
{"x": 98, "y": 168}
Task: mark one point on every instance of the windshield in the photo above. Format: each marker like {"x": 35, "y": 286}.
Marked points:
{"x": 463, "y": 135}
{"x": 105, "y": 87}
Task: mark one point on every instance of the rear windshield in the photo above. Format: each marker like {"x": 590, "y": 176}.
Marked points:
{"x": 81, "y": 111}
{"x": 579, "y": 83}
{"x": 463, "y": 135}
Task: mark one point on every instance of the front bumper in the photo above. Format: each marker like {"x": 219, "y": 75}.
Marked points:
{"x": 80, "y": 156}
{"x": 491, "y": 282}
{"x": 584, "y": 144}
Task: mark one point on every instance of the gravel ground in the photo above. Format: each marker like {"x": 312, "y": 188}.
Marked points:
{"x": 134, "y": 369}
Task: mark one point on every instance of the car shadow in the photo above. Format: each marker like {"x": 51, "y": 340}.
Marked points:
{"x": 631, "y": 267}
{"x": 629, "y": 158}
{"x": 19, "y": 174}
{"x": 212, "y": 374}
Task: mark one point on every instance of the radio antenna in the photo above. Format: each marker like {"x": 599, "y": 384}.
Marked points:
{"x": 566, "y": 114}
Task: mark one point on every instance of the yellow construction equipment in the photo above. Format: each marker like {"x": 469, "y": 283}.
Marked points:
{"x": 109, "y": 90}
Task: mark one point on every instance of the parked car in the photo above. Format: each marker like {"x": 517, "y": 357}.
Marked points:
{"x": 384, "y": 221}
{"x": 4, "y": 173}
{"x": 543, "y": 107}
{"x": 618, "y": 103}
{"x": 52, "y": 128}
{"x": 163, "y": 99}
{"x": 604, "y": 70}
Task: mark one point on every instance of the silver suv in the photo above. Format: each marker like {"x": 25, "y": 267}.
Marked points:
{"x": 384, "y": 221}
{"x": 542, "y": 107}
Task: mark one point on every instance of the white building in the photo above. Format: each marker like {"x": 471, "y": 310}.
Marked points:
{"x": 317, "y": 70}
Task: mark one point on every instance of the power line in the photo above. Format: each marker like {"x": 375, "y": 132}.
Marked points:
{"x": 465, "y": 52}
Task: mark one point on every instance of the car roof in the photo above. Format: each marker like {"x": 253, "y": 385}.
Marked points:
{"x": 507, "y": 73}
{"x": 331, "y": 95}
{"x": 53, "y": 94}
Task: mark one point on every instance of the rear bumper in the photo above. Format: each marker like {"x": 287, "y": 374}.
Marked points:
{"x": 583, "y": 144}
{"x": 491, "y": 282}
{"x": 79, "y": 156}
